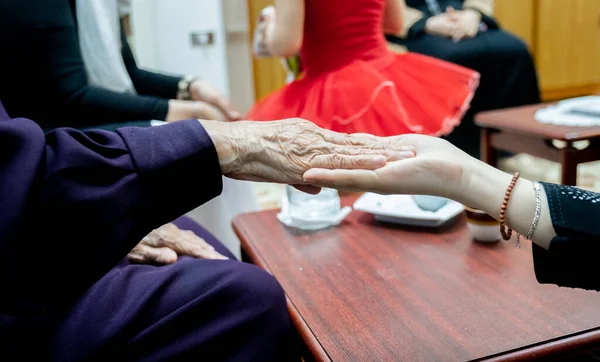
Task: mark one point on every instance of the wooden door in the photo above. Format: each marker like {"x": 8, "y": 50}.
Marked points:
{"x": 568, "y": 47}
{"x": 518, "y": 18}
{"x": 269, "y": 74}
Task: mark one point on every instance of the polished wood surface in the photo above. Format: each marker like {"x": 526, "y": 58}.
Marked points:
{"x": 516, "y": 130}
{"x": 365, "y": 291}
{"x": 521, "y": 120}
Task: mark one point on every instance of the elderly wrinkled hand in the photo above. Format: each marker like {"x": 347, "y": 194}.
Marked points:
{"x": 281, "y": 151}
{"x": 165, "y": 244}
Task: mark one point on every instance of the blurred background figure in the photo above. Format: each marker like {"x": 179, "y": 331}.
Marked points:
{"x": 351, "y": 82}
{"x": 465, "y": 32}
{"x": 75, "y": 55}
{"x": 71, "y": 65}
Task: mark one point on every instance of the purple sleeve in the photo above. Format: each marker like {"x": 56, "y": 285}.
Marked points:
{"x": 74, "y": 204}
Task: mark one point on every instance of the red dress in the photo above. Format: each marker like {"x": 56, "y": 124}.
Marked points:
{"x": 353, "y": 83}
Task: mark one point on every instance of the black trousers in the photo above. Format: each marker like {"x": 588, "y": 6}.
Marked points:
{"x": 508, "y": 75}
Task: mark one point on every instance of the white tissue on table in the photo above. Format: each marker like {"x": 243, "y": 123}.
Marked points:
{"x": 576, "y": 112}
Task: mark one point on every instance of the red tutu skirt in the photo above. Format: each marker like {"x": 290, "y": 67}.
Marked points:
{"x": 411, "y": 93}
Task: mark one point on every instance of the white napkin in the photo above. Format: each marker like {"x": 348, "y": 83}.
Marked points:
{"x": 576, "y": 112}
{"x": 313, "y": 224}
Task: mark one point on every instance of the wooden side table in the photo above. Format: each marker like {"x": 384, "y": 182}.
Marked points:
{"x": 516, "y": 130}
{"x": 367, "y": 291}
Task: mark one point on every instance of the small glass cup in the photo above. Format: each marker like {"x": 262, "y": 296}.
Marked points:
{"x": 313, "y": 211}
{"x": 482, "y": 226}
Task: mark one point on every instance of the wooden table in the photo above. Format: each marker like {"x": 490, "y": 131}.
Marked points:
{"x": 516, "y": 130}
{"x": 365, "y": 291}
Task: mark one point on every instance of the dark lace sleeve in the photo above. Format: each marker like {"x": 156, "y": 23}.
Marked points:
{"x": 572, "y": 259}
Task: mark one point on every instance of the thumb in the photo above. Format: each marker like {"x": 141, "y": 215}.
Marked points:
{"x": 449, "y": 9}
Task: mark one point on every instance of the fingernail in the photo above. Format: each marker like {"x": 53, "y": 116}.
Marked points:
{"x": 379, "y": 161}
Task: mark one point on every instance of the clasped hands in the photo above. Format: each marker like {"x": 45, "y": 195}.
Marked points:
{"x": 455, "y": 24}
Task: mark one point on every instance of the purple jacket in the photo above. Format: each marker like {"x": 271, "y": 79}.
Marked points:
{"x": 73, "y": 204}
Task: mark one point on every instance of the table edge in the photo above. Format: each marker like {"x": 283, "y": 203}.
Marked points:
{"x": 311, "y": 341}
{"x": 576, "y": 342}
{"x": 560, "y": 346}
{"x": 558, "y": 136}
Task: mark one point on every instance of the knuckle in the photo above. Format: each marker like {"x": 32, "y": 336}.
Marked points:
{"x": 337, "y": 161}
{"x": 360, "y": 162}
{"x": 189, "y": 234}
{"x": 168, "y": 241}
{"x": 146, "y": 254}
{"x": 347, "y": 139}
{"x": 135, "y": 251}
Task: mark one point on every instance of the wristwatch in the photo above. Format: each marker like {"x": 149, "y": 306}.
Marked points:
{"x": 183, "y": 88}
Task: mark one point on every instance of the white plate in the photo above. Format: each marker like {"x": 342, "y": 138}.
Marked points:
{"x": 401, "y": 209}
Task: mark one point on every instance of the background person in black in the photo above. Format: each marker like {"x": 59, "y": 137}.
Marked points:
{"x": 44, "y": 75}
{"x": 465, "y": 32}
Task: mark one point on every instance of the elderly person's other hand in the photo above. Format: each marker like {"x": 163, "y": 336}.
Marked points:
{"x": 165, "y": 244}
{"x": 281, "y": 151}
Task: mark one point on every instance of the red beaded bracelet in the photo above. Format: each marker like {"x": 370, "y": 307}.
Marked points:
{"x": 504, "y": 230}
